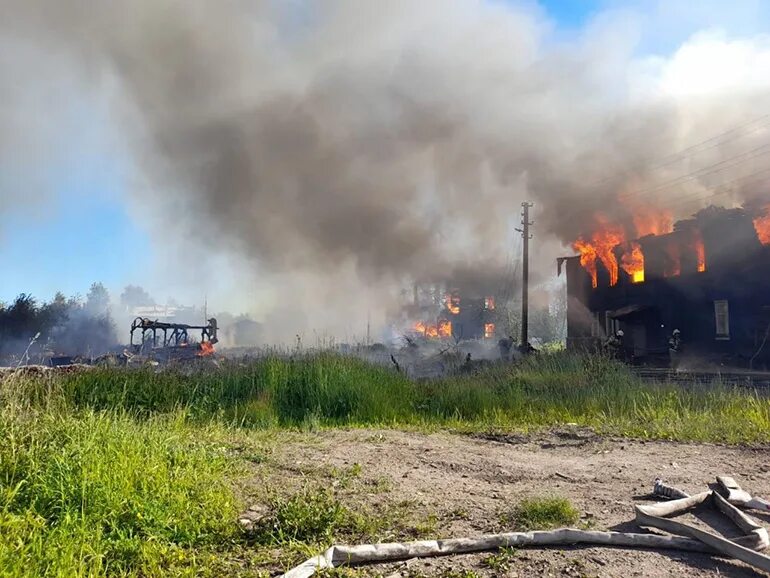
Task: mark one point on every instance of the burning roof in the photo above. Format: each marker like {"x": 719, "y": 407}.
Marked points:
{"x": 616, "y": 247}
{"x": 599, "y": 245}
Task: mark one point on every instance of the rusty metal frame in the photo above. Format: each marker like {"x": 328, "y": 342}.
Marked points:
{"x": 161, "y": 334}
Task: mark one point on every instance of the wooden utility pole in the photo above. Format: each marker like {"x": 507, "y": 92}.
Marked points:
{"x": 525, "y": 223}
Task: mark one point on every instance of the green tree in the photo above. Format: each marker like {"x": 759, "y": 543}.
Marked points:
{"x": 135, "y": 296}
{"x": 97, "y": 300}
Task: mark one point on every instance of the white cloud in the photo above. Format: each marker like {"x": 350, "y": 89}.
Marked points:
{"x": 712, "y": 64}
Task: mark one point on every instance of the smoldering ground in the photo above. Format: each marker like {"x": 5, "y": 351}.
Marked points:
{"x": 340, "y": 147}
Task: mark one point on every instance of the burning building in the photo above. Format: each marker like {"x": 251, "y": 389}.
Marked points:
{"x": 442, "y": 312}
{"x": 708, "y": 276}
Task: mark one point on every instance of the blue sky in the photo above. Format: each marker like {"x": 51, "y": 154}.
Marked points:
{"x": 84, "y": 236}
{"x": 570, "y": 14}
{"x": 81, "y": 232}
{"x": 86, "y": 233}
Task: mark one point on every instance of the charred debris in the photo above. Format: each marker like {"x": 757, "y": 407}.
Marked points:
{"x": 161, "y": 341}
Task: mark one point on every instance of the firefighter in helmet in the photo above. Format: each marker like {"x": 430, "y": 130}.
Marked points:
{"x": 675, "y": 348}
{"x": 614, "y": 345}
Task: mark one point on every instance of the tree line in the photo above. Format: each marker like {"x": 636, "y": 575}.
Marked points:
{"x": 63, "y": 326}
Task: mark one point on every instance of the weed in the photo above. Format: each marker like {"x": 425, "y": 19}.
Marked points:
{"x": 313, "y": 515}
{"x": 541, "y": 514}
{"x": 254, "y": 458}
{"x": 459, "y": 514}
{"x": 380, "y": 485}
{"x": 342, "y": 572}
{"x": 501, "y": 561}
{"x": 426, "y": 528}
{"x": 343, "y": 478}
{"x": 445, "y": 573}
{"x": 451, "y": 573}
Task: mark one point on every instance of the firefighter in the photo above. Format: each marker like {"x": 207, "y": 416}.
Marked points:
{"x": 505, "y": 345}
{"x": 527, "y": 349}
{"x": 213, "y": 328}
{"x": 467, "y": 366}
{"x": 614, "y": 345}
{"x": 674, "y": 348}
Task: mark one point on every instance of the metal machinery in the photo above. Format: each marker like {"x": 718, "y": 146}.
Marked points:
{"x": 155, "y": 335}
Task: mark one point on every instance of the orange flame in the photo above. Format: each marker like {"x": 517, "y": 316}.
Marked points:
{"x": 205, "y": 348}
{"x": 452, "y": 303}
{"x": 489, "y": 330}
{"x": 762, "y": 226}
{"x": 632, "y": 262}
{"x": 700, "y": 250}
{"x": 601, "y": 246}
{"x": 433, "y": 331}
{"x": 587, "y": 258}
{"x": 648, "y": 221}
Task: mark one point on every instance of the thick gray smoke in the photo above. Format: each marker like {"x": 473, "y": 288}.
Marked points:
{"x": 372, "y": 141}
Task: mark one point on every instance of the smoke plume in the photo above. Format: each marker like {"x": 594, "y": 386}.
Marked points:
{"x": 371, "y": 141}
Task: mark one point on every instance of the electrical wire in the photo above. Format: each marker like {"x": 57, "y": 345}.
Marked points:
{"x": 697, "y": 197}
{"x": 672, "y": 185}
{"x": 703, "y": 171}
{"x": 693, "y": 149}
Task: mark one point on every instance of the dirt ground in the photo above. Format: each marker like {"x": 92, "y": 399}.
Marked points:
{"x": 465, "y": 482}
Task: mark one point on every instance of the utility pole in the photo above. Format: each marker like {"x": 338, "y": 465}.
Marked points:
{"x": 525, "y": 223}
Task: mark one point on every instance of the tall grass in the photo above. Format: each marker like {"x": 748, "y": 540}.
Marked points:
{"x": 272, "y": 391}
{"x": 332, "y": 390}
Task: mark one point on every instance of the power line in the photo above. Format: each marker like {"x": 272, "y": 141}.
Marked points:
{"x": 697, "y": 197}
{"x": 703, "y": 171}
{"x": 716, "y": 139}
{"x": 734, "y": 134}
{"x": 692, "y": 149}
{"x": 714, "y": 168}
{"x": 700, "y": 198}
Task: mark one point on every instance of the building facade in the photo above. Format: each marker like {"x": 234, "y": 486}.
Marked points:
{"x": 709, "y": 278}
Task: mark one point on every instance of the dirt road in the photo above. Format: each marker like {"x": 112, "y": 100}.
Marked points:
{"x": 466, "y": 482}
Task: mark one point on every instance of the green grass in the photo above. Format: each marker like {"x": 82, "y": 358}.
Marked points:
{"x": 302, "y": 523}
{"x": 312, "y": 515}
{"x": 327, "y": 390}
{"x": 501, "y": 560}
{"x": 97, "y": 494}
{"x": 117, "y": 472}
{"x": 543, "y": 513}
